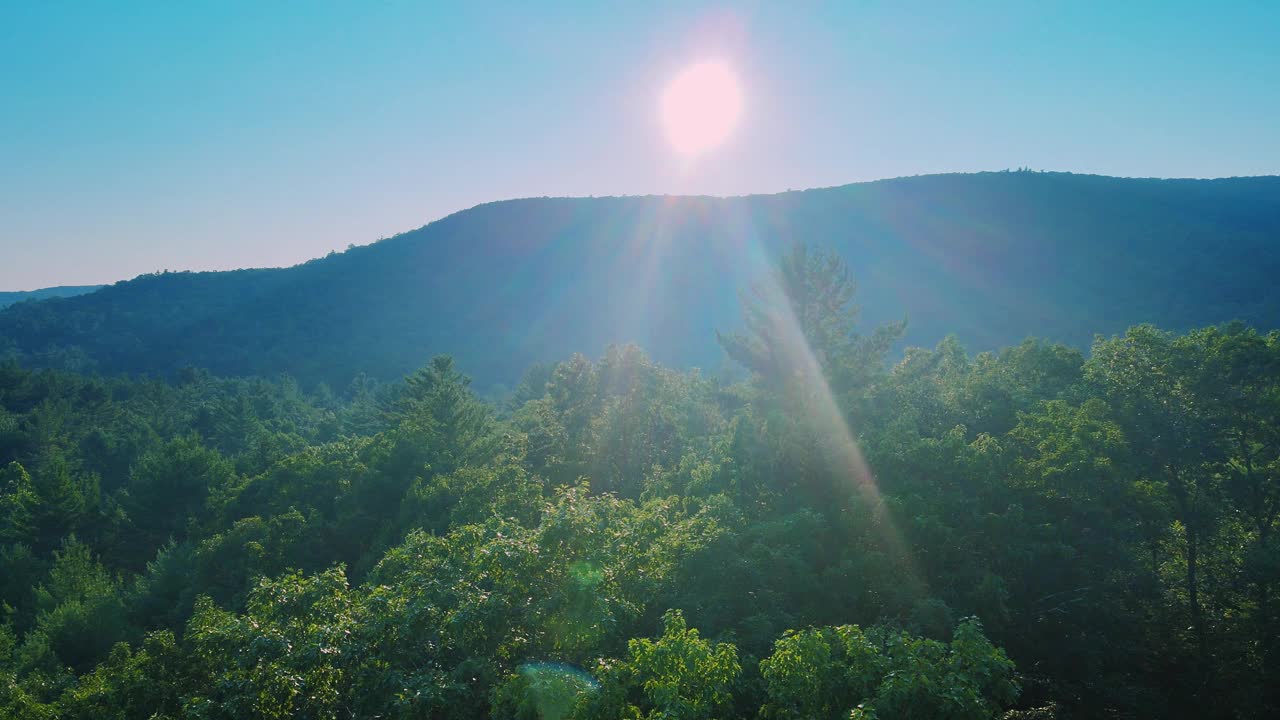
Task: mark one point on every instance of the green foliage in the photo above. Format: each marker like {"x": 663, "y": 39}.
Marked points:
{"x": 18, "y": 503}
{"x": 80, "y": 611}
{"x": 289, "y": 656}
{"x": 679, "y": 676}
{"x": 206, "y": 547}
{"x": 169, "y": 486}
{"x": 149, "y": 682}
{"x": 839, "y": 672}
{"x": 437, "y": 413}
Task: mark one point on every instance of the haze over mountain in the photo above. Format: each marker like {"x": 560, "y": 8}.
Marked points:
{"x": 991, "y": 257}
{"x": 10, "y": 297}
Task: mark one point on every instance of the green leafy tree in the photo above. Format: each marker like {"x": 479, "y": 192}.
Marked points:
{"x": 821, "y": 673}
{"x": 841, "y": 672}
{"x": 679, "y": 675}
{"x": 147, "y": 683}
{"x": 291, "y": 655}
{"x": 1149, "y": 378}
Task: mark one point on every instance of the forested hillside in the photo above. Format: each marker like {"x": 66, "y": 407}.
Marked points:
{"x": 9, "y": 298}
{"x": 991, "y": 258}
{"x": 850, "y": 532}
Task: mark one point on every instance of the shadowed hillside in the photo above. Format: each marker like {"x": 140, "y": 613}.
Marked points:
{"x": 991, "y": 257}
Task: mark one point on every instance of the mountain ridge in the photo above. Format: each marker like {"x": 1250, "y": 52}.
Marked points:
{"x": 991, "y": 257}
{"x": 10, "y": 297}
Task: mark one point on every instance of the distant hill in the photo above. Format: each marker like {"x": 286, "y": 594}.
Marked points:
{"x": 990, "y": 257}
{"x": 9, "y": 298}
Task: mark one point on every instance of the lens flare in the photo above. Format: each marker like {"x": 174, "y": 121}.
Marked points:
{"x": 553, "y": 690}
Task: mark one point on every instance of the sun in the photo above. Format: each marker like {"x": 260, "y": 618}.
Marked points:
{"x": 700, "y": 107}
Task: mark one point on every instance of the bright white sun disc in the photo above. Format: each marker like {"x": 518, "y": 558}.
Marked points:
{"x": 700, "y": 107}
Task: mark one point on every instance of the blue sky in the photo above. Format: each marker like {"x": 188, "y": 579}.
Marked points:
{"x": 145, "y": 135}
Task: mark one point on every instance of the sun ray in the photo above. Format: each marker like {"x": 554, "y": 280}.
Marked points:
{"x": 824, "y": 417}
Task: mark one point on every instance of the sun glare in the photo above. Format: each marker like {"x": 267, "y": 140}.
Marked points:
{"x": 700, "y": 107}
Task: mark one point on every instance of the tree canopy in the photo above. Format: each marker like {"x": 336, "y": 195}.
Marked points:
{"x": 1030, "y": 533}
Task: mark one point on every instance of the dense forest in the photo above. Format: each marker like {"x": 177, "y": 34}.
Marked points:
{"x": 991, "y": 258}
{"x": 844, "y": 531}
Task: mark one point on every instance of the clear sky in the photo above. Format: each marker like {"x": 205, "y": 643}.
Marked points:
{"x": 139, "y": 136}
